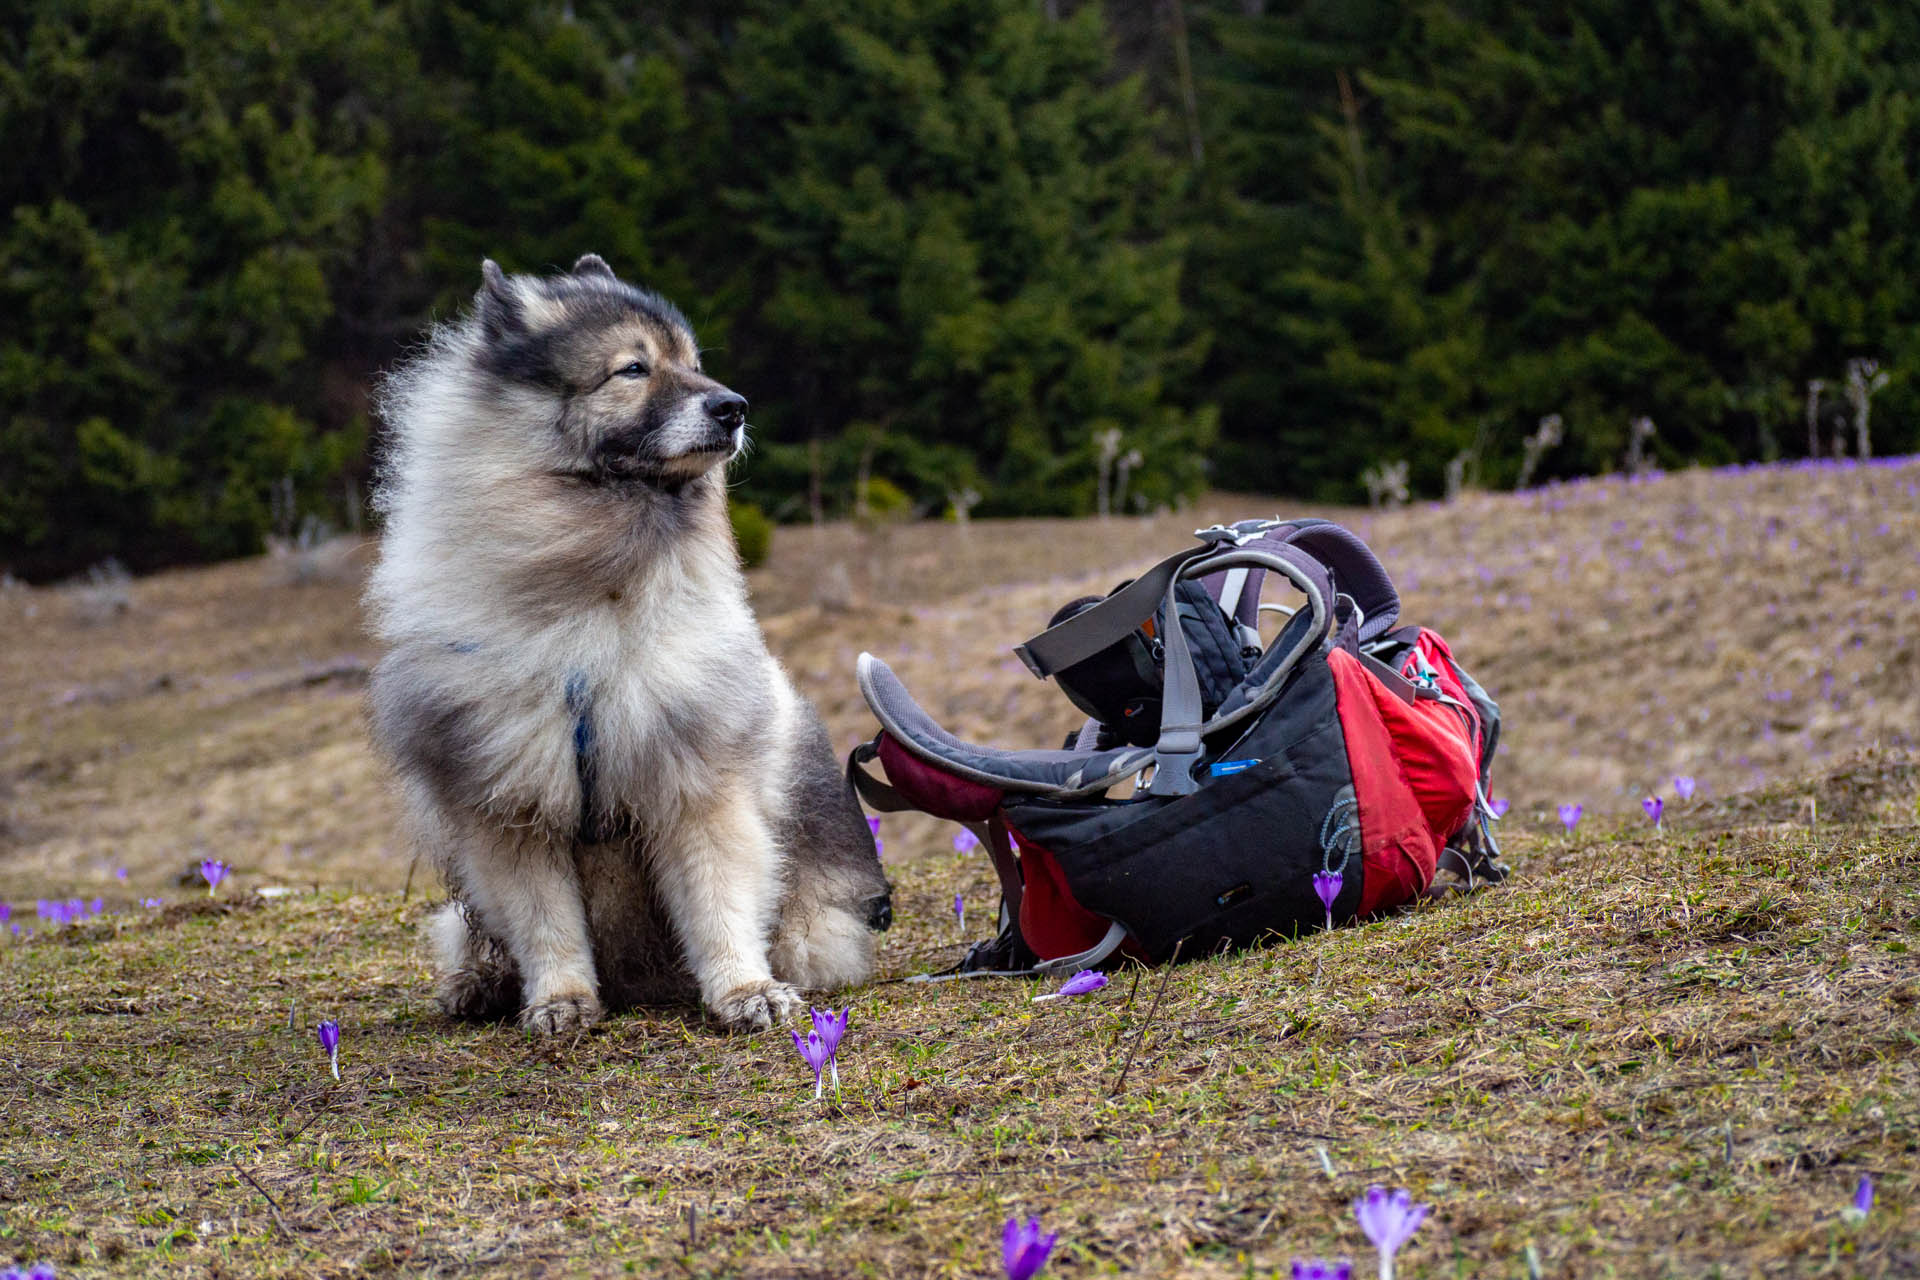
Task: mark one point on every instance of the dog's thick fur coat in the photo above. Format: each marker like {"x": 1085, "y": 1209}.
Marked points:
{"x": 629, "y": 800}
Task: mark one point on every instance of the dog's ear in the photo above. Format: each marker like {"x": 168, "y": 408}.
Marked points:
{"x": 498, "y": 304}
{"x": 592, "y": 264}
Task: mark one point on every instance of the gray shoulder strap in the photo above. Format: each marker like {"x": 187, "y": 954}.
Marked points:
{"x": 1091, "y": 630}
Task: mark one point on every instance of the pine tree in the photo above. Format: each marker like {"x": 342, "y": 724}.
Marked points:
{"x": 962, "y": 271}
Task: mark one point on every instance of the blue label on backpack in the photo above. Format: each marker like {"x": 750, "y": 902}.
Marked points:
{"x": 1227, "y": 768}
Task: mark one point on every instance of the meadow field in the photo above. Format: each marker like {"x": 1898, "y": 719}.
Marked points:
{"x": 1666, "y": 1052}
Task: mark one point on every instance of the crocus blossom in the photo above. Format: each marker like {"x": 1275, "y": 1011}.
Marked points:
{"x": 964, "y": 841}
{"x": 1082, "y": 983}
{"x": 1498, "y": 808}
{"x": 879, "y": 845}
{"x": 813, "y": 1051}
{"x": 960, "y": 911}
{"x": 1023, "y": 1249}
{"x": 214, "y": 871}
{"x": 831, "y": 1027}
{"x": 1654, "y": 806}
{"x": 1862, "y": 1200}
{"x": 329, "y": 1033}
{"x": 1683, "y": 787}
{"x": 1320, "y": 1269}
{"x": 1327, "y": 885}
{"x": 1389, "y": 1220}
{"x": 1570, "y": 816}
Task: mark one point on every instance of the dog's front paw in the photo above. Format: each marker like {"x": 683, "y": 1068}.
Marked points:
{"x": 563, "y": 1013}
{"x": 755, "y": 1006}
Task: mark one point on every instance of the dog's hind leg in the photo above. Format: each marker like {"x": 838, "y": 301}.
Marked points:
{"x": 474, "y": 975}
{"x": 821, "y": 944}
{"x": 720, "y": 880}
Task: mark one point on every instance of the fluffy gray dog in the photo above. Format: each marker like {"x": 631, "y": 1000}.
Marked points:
{"x": 629, "y": 800}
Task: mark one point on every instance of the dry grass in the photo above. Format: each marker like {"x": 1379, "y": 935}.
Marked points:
{"x": 1651, "y": 1056}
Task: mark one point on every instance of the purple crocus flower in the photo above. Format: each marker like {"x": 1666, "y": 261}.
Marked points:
{"x": 1862, "y": 1200}
{"x": 1389, "y": 1220}
{"x": 1082, "y": 983}
{"x": 813, "y": 1051}
{"x": 879, "y": 845}
{"x": 120, "y": 874}
{"x": 6, "y": 912}
{"x": 964, "y": 841}
{"x": 329, "y": 1033}
{"x": 1320, "y": 1269}
{"x": 1024, "y": 1249}
{"x": 1327, "y": 885}
{"x": 831, "y": 1027}
{"x": 1570, "y": 816}
{"x": 960, "y": 911}
{"x": 1683, "y": 787}
{"x": 1499, "y": 807}
{"x": 153, "y": 904}
{"x": 1654, "y": 806}
{"x": 215, "y": 871}
{"x": 97, "y": 907}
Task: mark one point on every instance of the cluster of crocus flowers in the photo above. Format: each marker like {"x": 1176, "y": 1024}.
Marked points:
{"x": 57, "y": 912}
{"x": 38, "y": 1271}
{"x": 820, "y": 1048}
{"x": 329, "y": 1033}
{"x": 1023, "y": 1249}
{"x": 1085, "y": 982}
{"x": 1327, "y": 885}
{"x": 1570, "y": 816}
{"x": 213, "y": 871}
{"x": 1389, "y": 1219}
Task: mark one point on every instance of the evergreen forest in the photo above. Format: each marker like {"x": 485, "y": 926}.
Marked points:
{"x": 998, "y": 256}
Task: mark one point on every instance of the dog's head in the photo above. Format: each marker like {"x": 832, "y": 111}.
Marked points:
{"x": 632, "y": 405}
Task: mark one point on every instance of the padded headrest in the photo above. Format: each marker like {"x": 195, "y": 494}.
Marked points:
{"x": 1057, "y": 772}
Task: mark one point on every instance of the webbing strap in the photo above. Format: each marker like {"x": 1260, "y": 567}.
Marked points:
{"x": 1093, "y": 629}
{"x": 877, "y": 794}
{"x": 1012, "y": 887}
{"x": 1181, "y": 710}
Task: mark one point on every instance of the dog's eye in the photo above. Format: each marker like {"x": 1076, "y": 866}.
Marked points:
{"x": 634, "y": 370}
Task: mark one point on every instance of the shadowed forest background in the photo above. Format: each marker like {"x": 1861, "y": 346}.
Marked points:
{"x": 1017, "y": 257}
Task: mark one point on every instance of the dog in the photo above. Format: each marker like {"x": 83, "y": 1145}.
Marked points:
{"x": 630, "y": 802}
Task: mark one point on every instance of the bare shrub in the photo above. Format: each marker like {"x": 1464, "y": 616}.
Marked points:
{"x": 1536, "y": 447}
{"x": 313, "y": 556}
{"x": 102, "y": 594}
{"x": 1864, "y": 377}
{"x": 1386, "y": 484}
{"x": 1638, "y": 436}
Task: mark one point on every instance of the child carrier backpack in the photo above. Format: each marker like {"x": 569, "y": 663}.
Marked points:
{"x": 1350, "y": 746}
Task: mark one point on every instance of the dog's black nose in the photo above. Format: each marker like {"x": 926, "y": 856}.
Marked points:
{"x": 727, "y": 408}
{"x": 880, "y": 912}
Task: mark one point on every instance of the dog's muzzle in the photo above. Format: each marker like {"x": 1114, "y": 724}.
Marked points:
{"x": 879, "y": 912}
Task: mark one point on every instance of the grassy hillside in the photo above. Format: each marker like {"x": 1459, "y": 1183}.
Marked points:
{"x": 1652, "y": 1054}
